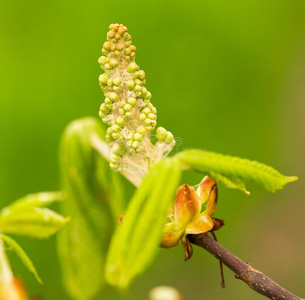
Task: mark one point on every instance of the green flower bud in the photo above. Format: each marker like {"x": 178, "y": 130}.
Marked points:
{"x": 144, "y": 91}
{"x": 115, "y": 158}
{"x": 132, "y": 101}
{"x": 130, "y": 84}
{"x": 135, "y": 74}
{"x": 127, "y": 36}
{"x": 102, "y": 114}
{"x": 127, "y": 51}
{"x": 110, "y": 82}
{"x": 102, "y": 60}
{"x": 135, "y": 144}
{"x": 128, "y": 115}
{"x": 161, "y": 133}
{"x": 104, "y": 51}
{"x": 120, "y": 46}
{"x": 127, "y": 107}
{"x": 117, "y": 81}
{"x": 138, "y": 137}
{"x": 120, "y": 121}
{"x": 122, "y": 30}
{"x": 152, "y": 116}
{"x": 113, "y": 96}
{"x": 137, "y": 88}
{"x": 103, "y": 79}
{"x": 138, "y": 82}
{"x": 141, "y": 74}
{"x": 110, "y": 34}
{"x": 142, "y": 130}
{"x": 103, "y": 108}
{"x": 108, "y": 101}
{"x": 168, "y": 137}
{"x": 116, "y": 128}
{"x": 147, "y": 96}
{"x": 118, "y": 149}
{"x": 132, "y": 67}
{"x": 107, "y": 66}
{"x": 142, "y": 117}
{"x": 114, "y": 166}
{"x": 116, "y": 135}
{"x": 145, "y": 111}
{"x": 116, "y": 88}
{"x": 147, "y": 122}
{"x": 114, "y": 63}
{"x": 107, "y": 46}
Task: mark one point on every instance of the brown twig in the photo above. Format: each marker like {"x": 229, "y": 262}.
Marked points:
{"x": 222, "y": 284}
{"x": 255, "y": 279}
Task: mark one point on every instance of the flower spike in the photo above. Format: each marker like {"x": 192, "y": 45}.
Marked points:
{"x": 127, "y": 108}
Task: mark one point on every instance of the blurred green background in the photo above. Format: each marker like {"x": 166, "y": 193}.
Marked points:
{"x": 227, "y": 76}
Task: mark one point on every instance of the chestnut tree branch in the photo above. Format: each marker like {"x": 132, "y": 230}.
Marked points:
{"x": 255, "y": 279}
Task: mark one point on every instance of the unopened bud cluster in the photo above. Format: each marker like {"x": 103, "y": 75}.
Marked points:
{"x": 127, "y": 109}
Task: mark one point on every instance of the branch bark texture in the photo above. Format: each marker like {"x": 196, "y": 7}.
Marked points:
{"x": 255, "y": 279}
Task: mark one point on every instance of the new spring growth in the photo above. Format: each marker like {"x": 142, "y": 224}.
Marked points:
{"x": 127, "y": 109}
{"x": 186, "y": 218}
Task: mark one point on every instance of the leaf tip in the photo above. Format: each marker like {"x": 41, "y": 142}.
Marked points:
{"x": 292, "y": 178}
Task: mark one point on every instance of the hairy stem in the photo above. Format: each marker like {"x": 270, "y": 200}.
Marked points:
{"x": 5, "y": 271}
{"x": 6, "y": 276}
{"x": 255, "y": 279}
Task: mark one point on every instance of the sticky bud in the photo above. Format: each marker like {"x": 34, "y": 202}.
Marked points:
{"x": 187, "y": 205}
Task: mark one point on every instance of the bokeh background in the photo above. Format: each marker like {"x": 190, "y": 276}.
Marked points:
{"x": 227, "y": 76}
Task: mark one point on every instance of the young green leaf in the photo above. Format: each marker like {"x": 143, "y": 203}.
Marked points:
{"x": 35, "y": 200}
{"x": 94, "y": 201}
{"x": 136, "y": 240}
{"x": 81, "y": 256}
{"x": 22, "y": 255}
{"x": 32, "y": 221}
{"x": 233, "y": 171}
